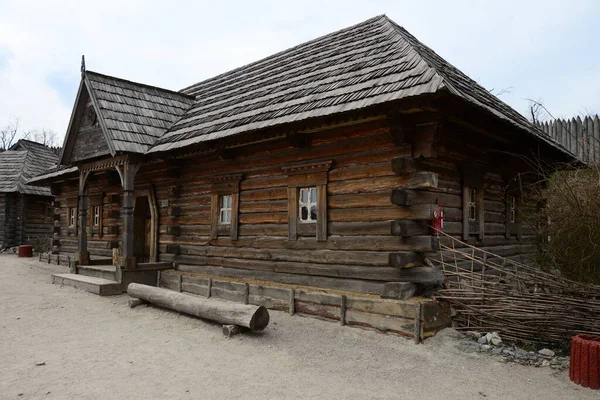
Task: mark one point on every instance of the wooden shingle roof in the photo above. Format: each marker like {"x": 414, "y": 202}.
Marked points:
{"x": 134, "y": 115}
{"x": 371, "y": 63}
{"x": 22, "y": 162}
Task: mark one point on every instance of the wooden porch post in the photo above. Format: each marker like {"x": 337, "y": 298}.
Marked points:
{"x": 127, "y": 172}
{"x": 82, "y": 255}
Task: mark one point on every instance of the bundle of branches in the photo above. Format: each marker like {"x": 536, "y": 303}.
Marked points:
{"x": 523, "y": 303}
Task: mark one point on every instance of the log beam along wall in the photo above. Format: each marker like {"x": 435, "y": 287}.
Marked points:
{"x": 387, "y": 316}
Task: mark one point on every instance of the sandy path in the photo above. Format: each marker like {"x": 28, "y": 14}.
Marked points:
{"x": 98, "y": 348}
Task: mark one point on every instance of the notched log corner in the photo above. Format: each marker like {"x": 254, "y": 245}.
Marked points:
{"x": 407, "y": 259}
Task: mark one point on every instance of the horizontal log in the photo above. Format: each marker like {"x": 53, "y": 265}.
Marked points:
{"x": 399, "y": 291}
{"x": 405, "y": 165}
{"x": 420, "y": 180}
{"x": 252, "y": 317}
{"x": 424, "y": 275}
{"x": 350, "y": 285}
{"x": 407, "y": 228}
{"x": 407, "y": 259}
{"x": 174, "y": 230}
{"x": 174, "y": 211}
{"x": 173, "y": 248}
{"x": 367, "y": 272}
{"x": 359, "y": 200}
{"x": 419, "y": 212}
{"x": 371, "y": 243}
{"x": 112, "y": 214}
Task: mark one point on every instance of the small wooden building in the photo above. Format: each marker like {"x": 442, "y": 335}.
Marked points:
{"x": 25, "y": 211}
{"x": 322, "y": 165}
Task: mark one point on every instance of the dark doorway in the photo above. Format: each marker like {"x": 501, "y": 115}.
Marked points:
{"x": 142, "y": 223}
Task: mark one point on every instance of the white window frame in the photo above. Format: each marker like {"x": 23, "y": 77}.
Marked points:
{"x": 96, "y": 215}
{"x": 308, "y": 204}
{"x": 225, "y": 202}
{"x": 72, "y": 217}
{"x": 472, "y": 204}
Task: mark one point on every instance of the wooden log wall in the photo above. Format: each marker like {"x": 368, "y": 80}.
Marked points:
{"x": 378, "y": 208}
{"x": 37, "y": 216}
{"x": 458, "y": 153}
{"x": 103, "y": 186}
{"x": 2, "y": 219}
{"x": 355, "y": 255}
{"x": 12, "y": 231}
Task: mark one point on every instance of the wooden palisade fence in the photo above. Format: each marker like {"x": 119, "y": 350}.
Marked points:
{"x": 580, "y": 136}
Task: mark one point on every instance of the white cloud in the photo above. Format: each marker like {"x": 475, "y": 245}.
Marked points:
{"x": 175, "y": 44}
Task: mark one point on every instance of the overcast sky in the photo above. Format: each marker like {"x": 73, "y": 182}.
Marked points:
{"x": 546, "y": 50}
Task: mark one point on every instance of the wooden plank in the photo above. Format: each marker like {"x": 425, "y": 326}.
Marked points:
{"x": 381, "y": 323}
{"x": 406, "y": 228}
{"x": 292, "y": 213}
{"x": 214, "y": 216}
{"x": 351, "y": 285}
{"x": 321, "y": 213}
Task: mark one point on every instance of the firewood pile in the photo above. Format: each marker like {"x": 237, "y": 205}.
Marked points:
{"x": 525, "y": 304}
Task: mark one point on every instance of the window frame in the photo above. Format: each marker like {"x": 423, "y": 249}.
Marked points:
{"x": 72, "y": 217}
{"x": 473, "y": 183}
{"x": 224, "y": 185}
{"x": 95, "y": 201}
{"x": 96, "y": 217}
{"x": 307, "y": 175}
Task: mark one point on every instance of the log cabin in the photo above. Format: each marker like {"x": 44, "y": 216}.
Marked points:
{"x": 323, "y": 165}
{"x": 25, "y": 211}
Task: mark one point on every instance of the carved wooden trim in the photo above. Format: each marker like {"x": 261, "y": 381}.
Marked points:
{"x": 108, "y": 163}
{"x": 307, "y": 167}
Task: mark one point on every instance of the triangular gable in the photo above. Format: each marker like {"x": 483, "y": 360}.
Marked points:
{"x": 85, "y": 138}
{"x": 130, "y": 117}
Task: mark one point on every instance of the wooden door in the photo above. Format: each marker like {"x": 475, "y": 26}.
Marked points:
{"x": 141, "y": 229}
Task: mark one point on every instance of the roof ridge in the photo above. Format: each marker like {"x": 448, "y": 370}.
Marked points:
{"x": 179, "y": 93}
{"x": 444, "y": 69}
{"x": 289, "y": 49}
{"x": 401, "y": 33}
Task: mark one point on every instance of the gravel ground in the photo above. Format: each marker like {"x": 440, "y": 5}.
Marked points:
{"x": 97, "y": 348}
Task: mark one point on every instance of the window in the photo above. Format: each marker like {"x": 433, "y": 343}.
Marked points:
{"x": 225, "y": 209}
{"x": 472, "y": 204}
{"x": 308, "y": 205}
{"x": 72, "y": 217}
{"x": 307, "y": 199}
{"x": 224, "y": 202}
{"x": 513, "y": 223}
{"x": 512, "y": 209}
{"x": 96, "y": 216}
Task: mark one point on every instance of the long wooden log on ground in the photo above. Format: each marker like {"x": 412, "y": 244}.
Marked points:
{"x": 255, "y": 318}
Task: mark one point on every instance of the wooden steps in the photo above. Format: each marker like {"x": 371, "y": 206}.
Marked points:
{"x": 99, "y": 286}
{"x": 108, "y": 272}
